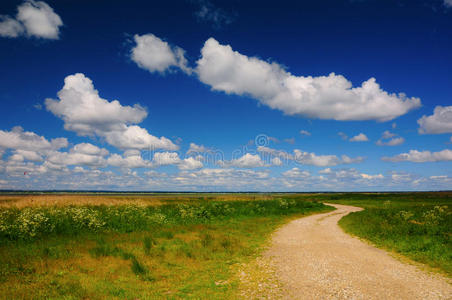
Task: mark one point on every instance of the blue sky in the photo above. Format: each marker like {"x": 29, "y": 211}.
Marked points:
{"x": 226, "y": 95}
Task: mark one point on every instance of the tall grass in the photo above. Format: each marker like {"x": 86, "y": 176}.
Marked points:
{"x": 32, "y": 223}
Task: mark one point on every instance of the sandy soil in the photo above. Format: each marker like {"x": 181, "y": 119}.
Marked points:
{"x": 314, "y": 259}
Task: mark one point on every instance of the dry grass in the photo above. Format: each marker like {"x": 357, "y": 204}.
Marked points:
{"x": 21, "y": 201}
{"x": 39, "y": 200}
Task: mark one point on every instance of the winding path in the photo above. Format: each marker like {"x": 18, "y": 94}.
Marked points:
{"x": 315, "y": 259}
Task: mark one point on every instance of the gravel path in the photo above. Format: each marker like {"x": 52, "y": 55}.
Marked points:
{"x": 315, "y": 259}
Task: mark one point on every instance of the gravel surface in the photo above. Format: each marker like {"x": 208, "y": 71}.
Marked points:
{"x": 315, "y": 259}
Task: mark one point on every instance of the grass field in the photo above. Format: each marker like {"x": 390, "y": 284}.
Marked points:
{"x": 135, "y": 246}
{"x": 416, "y": 225}
{"x": 178, "y": 246}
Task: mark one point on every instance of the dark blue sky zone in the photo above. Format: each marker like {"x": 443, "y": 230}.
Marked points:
{"x": 405, "y": 45}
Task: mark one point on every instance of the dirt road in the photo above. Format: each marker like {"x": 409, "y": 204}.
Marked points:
{"x": 315, "y": 259}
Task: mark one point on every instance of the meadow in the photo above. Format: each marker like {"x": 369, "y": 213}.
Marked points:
{"x": 136, "y": 246}
{"x": 188, "y": 246}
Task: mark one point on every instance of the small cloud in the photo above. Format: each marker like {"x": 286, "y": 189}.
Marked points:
{"x": 276, "y": 161}
{"x": 343, "y": 136}
{"x": 38, "y": 106}
{"x": 209, "y": 13}
{"x": 390, "y": 139}
{"x": 155, "y": 55}
{"x": 448, "y": 3}
{"x": 305, "y": 132}
{"x": 359, "y": 138}
{"x": 394, "y": 125}
{"x": 273, "y": 139}
{"x": 387, "y": 135}
{"x": 197, "y": 149}
{"x": 290, "y": 141}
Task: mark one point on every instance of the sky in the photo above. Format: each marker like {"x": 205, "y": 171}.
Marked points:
{"x": 204, "y": 95}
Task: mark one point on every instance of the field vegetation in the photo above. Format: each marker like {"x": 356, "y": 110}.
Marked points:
{"x": 179, "y": 246}
{"x": 136, "y": 247}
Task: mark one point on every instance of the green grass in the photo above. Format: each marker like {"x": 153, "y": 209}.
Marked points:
{"x": 172, "y": 252}
{"x": 416, "y": 225}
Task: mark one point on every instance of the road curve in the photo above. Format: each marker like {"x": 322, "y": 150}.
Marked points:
{"x": 314, "y": 259}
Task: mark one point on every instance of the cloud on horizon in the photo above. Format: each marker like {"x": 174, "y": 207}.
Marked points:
{"x": 421, "y": 156}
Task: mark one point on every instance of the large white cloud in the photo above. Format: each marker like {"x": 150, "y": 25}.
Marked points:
{"x": 421, "y": 156}
{"x": 439, "y": 122}
{"x": 155, "y": 55}
{"x": 86, "y": 113}
{"x": 323, "y": 97}
{"x": 34, "y": 18}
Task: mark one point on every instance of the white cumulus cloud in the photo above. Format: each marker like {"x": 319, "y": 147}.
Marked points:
{"x": 421, "y": 156}
{"x": 34, "y": 19}
{"x": 86, "y": 113}
{"x": 155, "y": 55}
{"x": 439, "y": 122}
{"x": 359, "y": 138}
{"x": 323, "y": 97}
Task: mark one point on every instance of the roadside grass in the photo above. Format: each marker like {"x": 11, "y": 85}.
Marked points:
{"x": 416, "y": 225}
{"x": 174, "y": 251}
